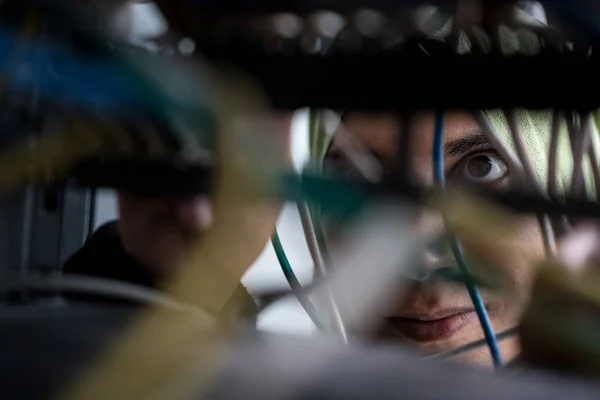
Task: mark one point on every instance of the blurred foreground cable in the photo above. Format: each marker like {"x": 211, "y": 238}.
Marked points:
{"x": 460, "y": 351}
{"x": 164, "y": 355}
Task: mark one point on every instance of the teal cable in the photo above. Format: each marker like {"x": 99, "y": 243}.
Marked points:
{"x": 290, "y": 276}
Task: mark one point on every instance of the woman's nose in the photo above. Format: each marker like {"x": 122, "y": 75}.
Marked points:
{"x": 195, "y": 213}
{"x": 436, "y": 251}
{"x": 429, "y": 224}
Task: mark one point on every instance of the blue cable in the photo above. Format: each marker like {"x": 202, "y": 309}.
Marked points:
{"x": 92, "y": 82}
{"x": 484, "y": 319}
{"x": 88, "y": 82}
{"x": 438, "y": 150}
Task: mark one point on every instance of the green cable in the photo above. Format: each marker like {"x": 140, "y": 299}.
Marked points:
{"x": 290, "y": 276}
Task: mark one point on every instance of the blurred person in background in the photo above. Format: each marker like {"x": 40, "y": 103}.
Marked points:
{"x": 154, "y": 235}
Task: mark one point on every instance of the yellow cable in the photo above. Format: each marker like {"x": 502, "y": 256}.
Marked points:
{"x": 474, "y": 216}
{"x": 161, "y": 346}
{"x": 169, "y": 355}
{"x": 50, "y": 155}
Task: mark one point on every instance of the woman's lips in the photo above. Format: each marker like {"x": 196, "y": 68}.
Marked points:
{"x": 432, "y": 327}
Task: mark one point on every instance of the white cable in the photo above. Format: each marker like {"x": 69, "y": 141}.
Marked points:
{"x": 321, "y": 269}
{"x": 104, "y": 287}
{"x": 378, "y": 251}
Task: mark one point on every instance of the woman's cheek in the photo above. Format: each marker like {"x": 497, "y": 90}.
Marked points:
{"x": 510, "y": 262}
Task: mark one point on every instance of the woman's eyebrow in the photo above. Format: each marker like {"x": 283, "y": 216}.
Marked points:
{"x": 465, "y": 144}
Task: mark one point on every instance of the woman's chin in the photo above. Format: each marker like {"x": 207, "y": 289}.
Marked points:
{"x": 480, "y": 357}
{"x": 390, "y": 335}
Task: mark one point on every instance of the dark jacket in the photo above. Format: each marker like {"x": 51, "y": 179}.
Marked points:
{"x": 103, "y": 256}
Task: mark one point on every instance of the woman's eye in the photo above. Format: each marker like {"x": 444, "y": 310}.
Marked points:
{"x": 482, "y": 168}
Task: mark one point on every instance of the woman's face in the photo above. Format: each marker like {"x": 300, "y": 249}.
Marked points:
{"x": 436, "y": 314}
